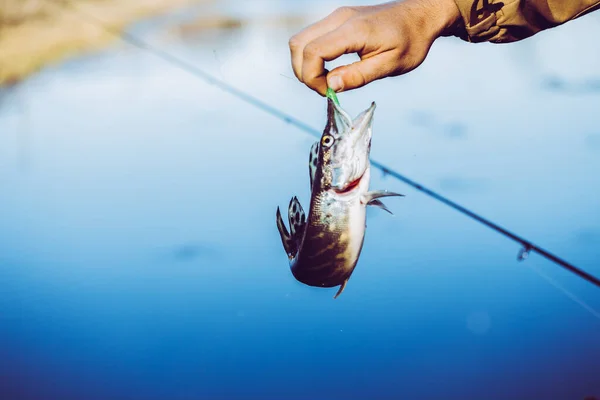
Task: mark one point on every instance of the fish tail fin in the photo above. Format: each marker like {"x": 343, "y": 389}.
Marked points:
{"x": 286, "y": 239}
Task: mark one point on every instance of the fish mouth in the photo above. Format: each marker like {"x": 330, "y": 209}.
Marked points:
{"x": 351, "y": 186}
{"x": 350, "y": 156}
{"x": 363, "y": 122}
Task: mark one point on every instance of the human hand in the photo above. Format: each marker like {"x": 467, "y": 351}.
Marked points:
{"x": 391, "y": 39}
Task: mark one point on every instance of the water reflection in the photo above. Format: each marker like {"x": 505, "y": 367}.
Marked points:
{"x": 429, "y": 123}
{"x": 8, "y": 99}
{"x": 479, "y": 322}
{"x": 589, "y": 236}
{"x": 592, "y": 141}
{"x": 455, "y": 130}
{"x": 462, "y": 184}
{"x": 422, "y": 118}
{"x": 193, "y": 251}
{"x": 220, "y": 29}
{"x": 566, "y": 86}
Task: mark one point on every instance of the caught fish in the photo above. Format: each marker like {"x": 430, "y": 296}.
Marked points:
{"x": 323, "y": 247}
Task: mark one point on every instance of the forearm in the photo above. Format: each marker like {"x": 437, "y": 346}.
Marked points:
{"x": 503, "y": 21}
{"x": 394, "y": 38}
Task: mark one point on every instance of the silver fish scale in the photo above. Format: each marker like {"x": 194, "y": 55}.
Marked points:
{"x": 326, "y": 259}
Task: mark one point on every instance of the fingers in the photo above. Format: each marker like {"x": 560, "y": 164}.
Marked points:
{"x": 391, "y": 39}
{"x": 328, "y": 47}
{"x": 299, "y": 41}
{"x": 362, "y": 72}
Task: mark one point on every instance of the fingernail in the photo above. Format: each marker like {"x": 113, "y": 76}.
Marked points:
{"x": 336, "y": 83}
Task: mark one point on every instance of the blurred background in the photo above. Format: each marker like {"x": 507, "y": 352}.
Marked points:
{"x": 139, "y": 255}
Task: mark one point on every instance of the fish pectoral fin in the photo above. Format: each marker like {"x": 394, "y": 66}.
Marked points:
{"x": 376, "y": 194}
{"x": 379, "y": 204}
{"x": 342, "y": 287}
{"x": 297, "y": 220}
{"x": 286, "y": 239}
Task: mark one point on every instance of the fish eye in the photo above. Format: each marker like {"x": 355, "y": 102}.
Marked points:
{"x": 327, "y": 141}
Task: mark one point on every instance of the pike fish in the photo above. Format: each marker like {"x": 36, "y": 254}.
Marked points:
{"x": 323, "y": 248}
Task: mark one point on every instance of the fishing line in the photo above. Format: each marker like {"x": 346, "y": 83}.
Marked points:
{"x": 527, "y": 246}
{"x": 566, "y": 292}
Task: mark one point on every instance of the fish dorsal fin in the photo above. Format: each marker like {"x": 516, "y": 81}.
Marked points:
{"x": 312, "y": 162}
{"x": 297, "y": 220}
{"x": 288, "y": 244}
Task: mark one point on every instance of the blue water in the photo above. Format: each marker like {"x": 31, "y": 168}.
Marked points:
{"x": 139, "y": 256}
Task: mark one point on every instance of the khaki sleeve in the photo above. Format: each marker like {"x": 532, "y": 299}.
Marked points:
{"x": 506, "y": 21}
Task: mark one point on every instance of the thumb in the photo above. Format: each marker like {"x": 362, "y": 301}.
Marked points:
{"x": 362, "y": 72}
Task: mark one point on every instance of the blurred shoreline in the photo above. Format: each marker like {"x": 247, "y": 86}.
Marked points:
{"x": 37, "y": 33}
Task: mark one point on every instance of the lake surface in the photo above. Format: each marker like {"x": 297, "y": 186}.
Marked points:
{"x": 140, "y": 259}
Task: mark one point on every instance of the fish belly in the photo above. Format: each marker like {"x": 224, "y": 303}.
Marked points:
{"x": 330, "y": 251}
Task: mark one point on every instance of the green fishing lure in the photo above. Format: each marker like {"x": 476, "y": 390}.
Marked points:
{"x": 331, "y": 94}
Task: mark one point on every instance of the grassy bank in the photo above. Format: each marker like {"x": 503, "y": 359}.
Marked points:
{"x": 36, "y": 33}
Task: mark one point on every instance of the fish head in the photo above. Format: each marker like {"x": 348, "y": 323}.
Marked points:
{"x": 344, "y": 149}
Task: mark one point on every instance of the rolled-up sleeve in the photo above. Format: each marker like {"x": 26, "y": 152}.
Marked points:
{"x": 512, "y": 20}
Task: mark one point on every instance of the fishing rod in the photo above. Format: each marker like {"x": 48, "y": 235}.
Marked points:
{"x": 527, "y": 245}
